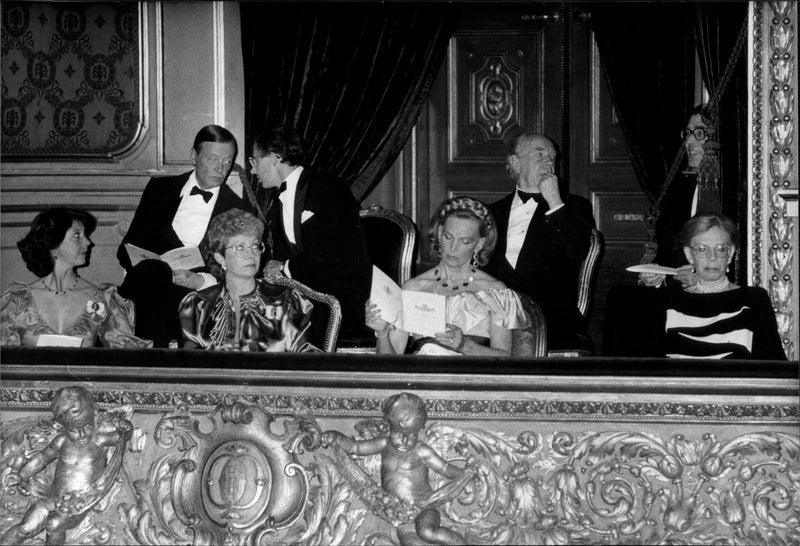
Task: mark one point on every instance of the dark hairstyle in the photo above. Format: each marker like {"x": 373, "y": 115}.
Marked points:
{"x": 213, "y": 133}
{"x": 703, "y": 222}
{"x": 472, "y": 209}
{"x": 47, "y": 232}
{"x": 221, "y": 229}
{"x": 283, "y": 140}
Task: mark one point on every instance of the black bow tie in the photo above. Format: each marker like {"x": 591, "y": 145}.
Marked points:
{"x": 207, "y": 195}
{"x": 281, "y": 188}
{"x": 524, "y": 195}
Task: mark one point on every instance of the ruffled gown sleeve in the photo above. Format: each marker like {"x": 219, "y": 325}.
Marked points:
{"x": 296, "y": 320}
{"x": 119, "y": 317}
{"x": 14, "y": 304}
{"x": 192, "y": 314}
{"x": 474, "y": 311}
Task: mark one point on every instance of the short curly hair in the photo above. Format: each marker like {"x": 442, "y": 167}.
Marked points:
{"x": 465, "y": 207}
{"x": 48, "y": 230}
{"x": 221, "y": 229}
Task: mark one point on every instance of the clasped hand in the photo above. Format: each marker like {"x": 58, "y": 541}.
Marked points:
{"x": 687, "y": 276}
{"x": 273, "y": 269}
{"x": 372, "y": 318}
{"x": 452, "y": 337}
{"x": 548, "y": 185}
{"x": 187, "y": 279}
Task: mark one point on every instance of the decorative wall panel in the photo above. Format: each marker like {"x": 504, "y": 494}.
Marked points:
{"x": 608, "y": 141}
{"x": 620, "y": 215}
{"x": 320, "y": 457}
{"x": 772, "y": 229}
{"x": 495, "y": 86}
{"x": 70, "y": 79}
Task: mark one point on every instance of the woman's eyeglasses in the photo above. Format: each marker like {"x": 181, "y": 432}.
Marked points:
{"x": 699, "y": 133}
{"x": 703, "y": 251}
{"x": 240, "y": 251}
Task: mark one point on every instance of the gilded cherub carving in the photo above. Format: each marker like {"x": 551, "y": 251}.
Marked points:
{"x": 405, "y": 465}
{"x": 83, "y": 474}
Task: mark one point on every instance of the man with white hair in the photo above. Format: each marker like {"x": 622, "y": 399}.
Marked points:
{"x": 542, "y": 238}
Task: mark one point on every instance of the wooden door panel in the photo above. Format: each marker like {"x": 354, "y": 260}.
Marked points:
{"x": 495, "y": 92}
{"x": 502, "y": 77}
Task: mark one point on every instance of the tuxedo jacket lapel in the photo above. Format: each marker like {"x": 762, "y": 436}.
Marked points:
{"x": 504, "y": 210}
{"x": 171, "y": 202}
{"x": 300, "y": 196}
{"x": 529, "y": 254}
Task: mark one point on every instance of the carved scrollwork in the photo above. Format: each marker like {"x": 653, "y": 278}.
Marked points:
{"x": 61, "y": 500}
{"x": 494, "y": 97}
{"x": 476, "y": 409}
{"x": 617, "y": 487}
{"x": 238, "y": 475}
{"x": 782, "y": 168}
{"x": 227, "y": 479}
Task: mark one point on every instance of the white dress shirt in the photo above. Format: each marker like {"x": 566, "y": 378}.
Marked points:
{"x": 192, "y": 217}
{"x": 193, "y": 214}
{"x": 287, "y": 209}
{"x": 287, "y": 202}
{"x": 519, "y": 220}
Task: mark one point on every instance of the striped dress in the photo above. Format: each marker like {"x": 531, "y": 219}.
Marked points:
{"x": 738, "y": 323}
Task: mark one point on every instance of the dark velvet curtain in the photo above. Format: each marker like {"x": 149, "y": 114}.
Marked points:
{"x": 716, "y": 28}
{"x": 647, "y": 52}
{"x": 352, "y": 77}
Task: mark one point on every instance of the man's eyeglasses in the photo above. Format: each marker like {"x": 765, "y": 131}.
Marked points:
{"x": 699, "y": 133}
{"x": 703, "y": 251}
{"x": 240, "y": 251}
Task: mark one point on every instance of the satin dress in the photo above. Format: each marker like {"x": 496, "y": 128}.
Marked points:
{"x": 271, "y": 318}
{"x": 107, "y": 319}
{"x": 475, "y": 312}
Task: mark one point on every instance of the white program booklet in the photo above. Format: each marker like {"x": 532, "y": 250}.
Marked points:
{"x": 185, "y": 257}
{"x": 652, "y": 268}
{"x": 423, "y": 313}
{"x": 388, "y": 297}
{"x": 57, "y": 340}
{"x": 419, "y": 313}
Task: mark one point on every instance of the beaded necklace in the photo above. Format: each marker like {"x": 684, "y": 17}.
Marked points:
{"x": 447, "y": 281}
{"x": 61, "y": 292}
{"x": 710, "y": 288}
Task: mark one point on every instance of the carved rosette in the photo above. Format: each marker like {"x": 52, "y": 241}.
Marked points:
{"x": 782, "y": 167}
{"x": 495, "y": 97}
{"x": 237, "y": 483}
{"x": 607, "y": 487}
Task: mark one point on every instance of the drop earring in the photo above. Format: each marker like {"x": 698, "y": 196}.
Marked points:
{"x": 475, "y": 262}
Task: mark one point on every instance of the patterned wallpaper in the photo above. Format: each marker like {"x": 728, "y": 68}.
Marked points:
{"x": 70, "y": 79}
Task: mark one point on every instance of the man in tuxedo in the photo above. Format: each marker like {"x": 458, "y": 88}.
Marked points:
{"x": 175, "y": 211}
{"x": 542, "y": 238}
{"x": 315, "y": 227}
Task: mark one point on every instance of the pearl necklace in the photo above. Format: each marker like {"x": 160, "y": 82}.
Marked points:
{"x": 718, "y": 286}
{"x": 62, "y": 292}
{"x": 455, "y": 285}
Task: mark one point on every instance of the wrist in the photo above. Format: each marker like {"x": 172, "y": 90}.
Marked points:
{"x": 461, "y": 344}
{"x": 384, "y": 334}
